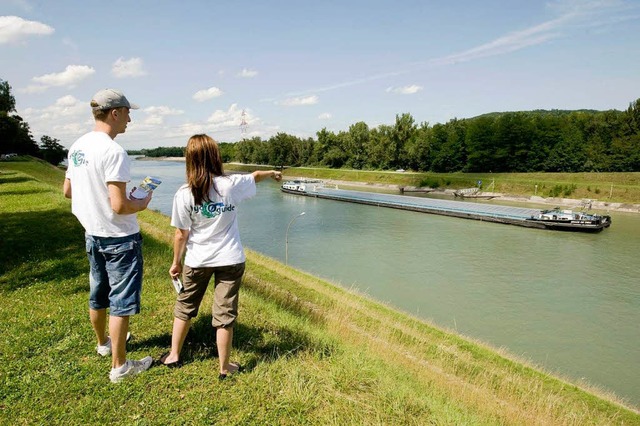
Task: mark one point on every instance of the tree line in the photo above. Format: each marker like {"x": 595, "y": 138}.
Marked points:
{"x": 15, "y": 134}
{"x": 524, "y": 141}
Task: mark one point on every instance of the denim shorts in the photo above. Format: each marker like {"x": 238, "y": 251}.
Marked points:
{"x": 115, "y": 278}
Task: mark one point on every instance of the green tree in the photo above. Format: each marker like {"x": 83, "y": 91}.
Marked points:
{"x": 480, "y": 146}
{"x": 280, "y": 147}
{"x": 51, "y": 150}
{"x": 301, "y": 151}
{"x": 513, "y": 140}
{"x": 331, "y": 149}
{"x": 7, "y": 101}
{"x": 547, "y": 132}
{"x": 355, "y": 145}
{"x": 15, "y": 135}
{"x": 403, "y": 132}
{"x": 379, "y": 149}
{"x": 633, "y": 118}
{"x": 418, "y": 148}
{"x": 569, "y": 154}
{"x": 227, "y": 151}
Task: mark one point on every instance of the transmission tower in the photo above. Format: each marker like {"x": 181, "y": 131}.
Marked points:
{"x": 243, "y": 123}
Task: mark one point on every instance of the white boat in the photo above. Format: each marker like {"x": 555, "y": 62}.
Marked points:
{"x": 569, "y": 220}
{"x": 293, "y": 186}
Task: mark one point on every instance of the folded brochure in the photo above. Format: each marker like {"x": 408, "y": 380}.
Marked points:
{"x": 147, "y": 185}
{"x": 177, "y": 284}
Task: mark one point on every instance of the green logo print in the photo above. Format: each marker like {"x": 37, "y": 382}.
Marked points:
{"x": 77, "y": 157}
{"x": 211, "y": 210}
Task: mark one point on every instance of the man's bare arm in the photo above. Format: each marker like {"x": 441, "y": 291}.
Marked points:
{"x": 123, "y": 205}
{"x": 66, "y": 188}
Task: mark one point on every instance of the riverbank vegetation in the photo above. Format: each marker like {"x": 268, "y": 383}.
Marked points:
{"x": 606, "y": 187}
{"x": 15, "y": 134}
{"x": 313, "y": 352}
{"x": 508, "y": 142}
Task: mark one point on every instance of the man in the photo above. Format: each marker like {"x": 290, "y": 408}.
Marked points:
{"x": 97, "y": 173}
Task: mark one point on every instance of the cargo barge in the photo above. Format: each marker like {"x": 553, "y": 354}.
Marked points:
{"x": 525, "y": 217}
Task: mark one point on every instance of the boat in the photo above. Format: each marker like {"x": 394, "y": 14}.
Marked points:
{"x": 299, "y": 186}
{"x": 293, "y": 186}
{"x": 473, "y": 193}
{"x": 569, "y": 220}
{"x": 466, "y": 192}
{"x": 564, "y": 220}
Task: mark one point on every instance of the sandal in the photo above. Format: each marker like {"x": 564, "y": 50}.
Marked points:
{"x": 223, "y": 376}
{"x": 175, "y": 364}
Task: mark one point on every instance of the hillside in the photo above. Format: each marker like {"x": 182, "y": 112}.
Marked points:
{"x": 313, "y": 352}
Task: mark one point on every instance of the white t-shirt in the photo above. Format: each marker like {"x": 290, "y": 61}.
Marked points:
{"x": 93, "y": 160}
{"x": 214, "y": 238}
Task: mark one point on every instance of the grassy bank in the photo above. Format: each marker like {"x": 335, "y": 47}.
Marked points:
{"x": 606, "y": 187}
{"x": 314, "y": 353}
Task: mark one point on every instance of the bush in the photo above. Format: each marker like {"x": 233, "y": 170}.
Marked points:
{"x": 430, "y": 183}
{"x": 564, "y": 190}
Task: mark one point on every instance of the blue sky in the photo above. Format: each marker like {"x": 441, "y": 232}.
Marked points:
{"x": 299, "y": 66}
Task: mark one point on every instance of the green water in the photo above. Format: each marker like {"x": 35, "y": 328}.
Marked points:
{"x": 569, "y": 302}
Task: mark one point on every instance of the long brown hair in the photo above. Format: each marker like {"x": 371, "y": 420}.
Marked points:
{"x": 204, "y": 162}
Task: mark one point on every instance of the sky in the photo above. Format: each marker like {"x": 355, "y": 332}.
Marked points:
{"x": 300, "y": 66}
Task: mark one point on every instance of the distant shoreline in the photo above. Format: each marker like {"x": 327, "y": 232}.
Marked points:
{"x": 555, "y": 202}
{"x": 559, "y": 202}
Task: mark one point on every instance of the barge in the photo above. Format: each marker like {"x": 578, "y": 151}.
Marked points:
{"x": 569, "y": 220}
{"x": 526, "y": 217}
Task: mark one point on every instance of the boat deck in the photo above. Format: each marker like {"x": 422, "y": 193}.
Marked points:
{"x": 468, "y": 210}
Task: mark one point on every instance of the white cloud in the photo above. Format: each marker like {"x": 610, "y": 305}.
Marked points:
{"x": 184, "y": 131}
{"x": 206, "y": 94}
{"x": 66, "y": 119}
{"x": 14, "y": 29}
{"x": 325, "y": 116}
{"x": 247, "y": 73}
{"x": 66, "y": 106}
{"x": 222, "y": 125}
{"x": 69, "y": 106}
{"x": 163, "y": 110}
{"x": 230, "y": 117}
{"x": 156, "y": 114}
{"x": 299, "y": 101}
{"x": 123, "y": 68}
{"x": 229, "y": 121}
{"x": 72, "y": 75}
{"x": 69, "y": 77}
{"x": 405, "y": 90}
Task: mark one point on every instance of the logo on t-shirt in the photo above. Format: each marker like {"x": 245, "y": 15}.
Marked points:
{"x": 77, "y": 158}
{"x": 211, "y": 210}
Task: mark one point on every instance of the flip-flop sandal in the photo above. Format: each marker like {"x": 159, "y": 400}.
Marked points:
{"x": 175, "y": 364}
{"x": 223, "y": 376}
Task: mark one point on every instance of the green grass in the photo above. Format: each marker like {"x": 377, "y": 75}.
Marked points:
{"x": 314, "y": 353}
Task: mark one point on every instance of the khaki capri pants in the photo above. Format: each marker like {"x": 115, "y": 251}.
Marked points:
{"x": 227, "y": 281}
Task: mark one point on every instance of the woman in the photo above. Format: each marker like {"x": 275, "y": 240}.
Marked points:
{"x": 205, "y": 217}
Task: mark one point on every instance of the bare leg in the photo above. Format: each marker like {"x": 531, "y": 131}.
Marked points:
{"x": 179, "y": 334}
{"x": 98, "y": 319}
{"x": 118, "y": 328}
{"x": 224, "y": 337}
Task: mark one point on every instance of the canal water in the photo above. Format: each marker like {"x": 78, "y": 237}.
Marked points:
{"x": 568, "y": 302}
